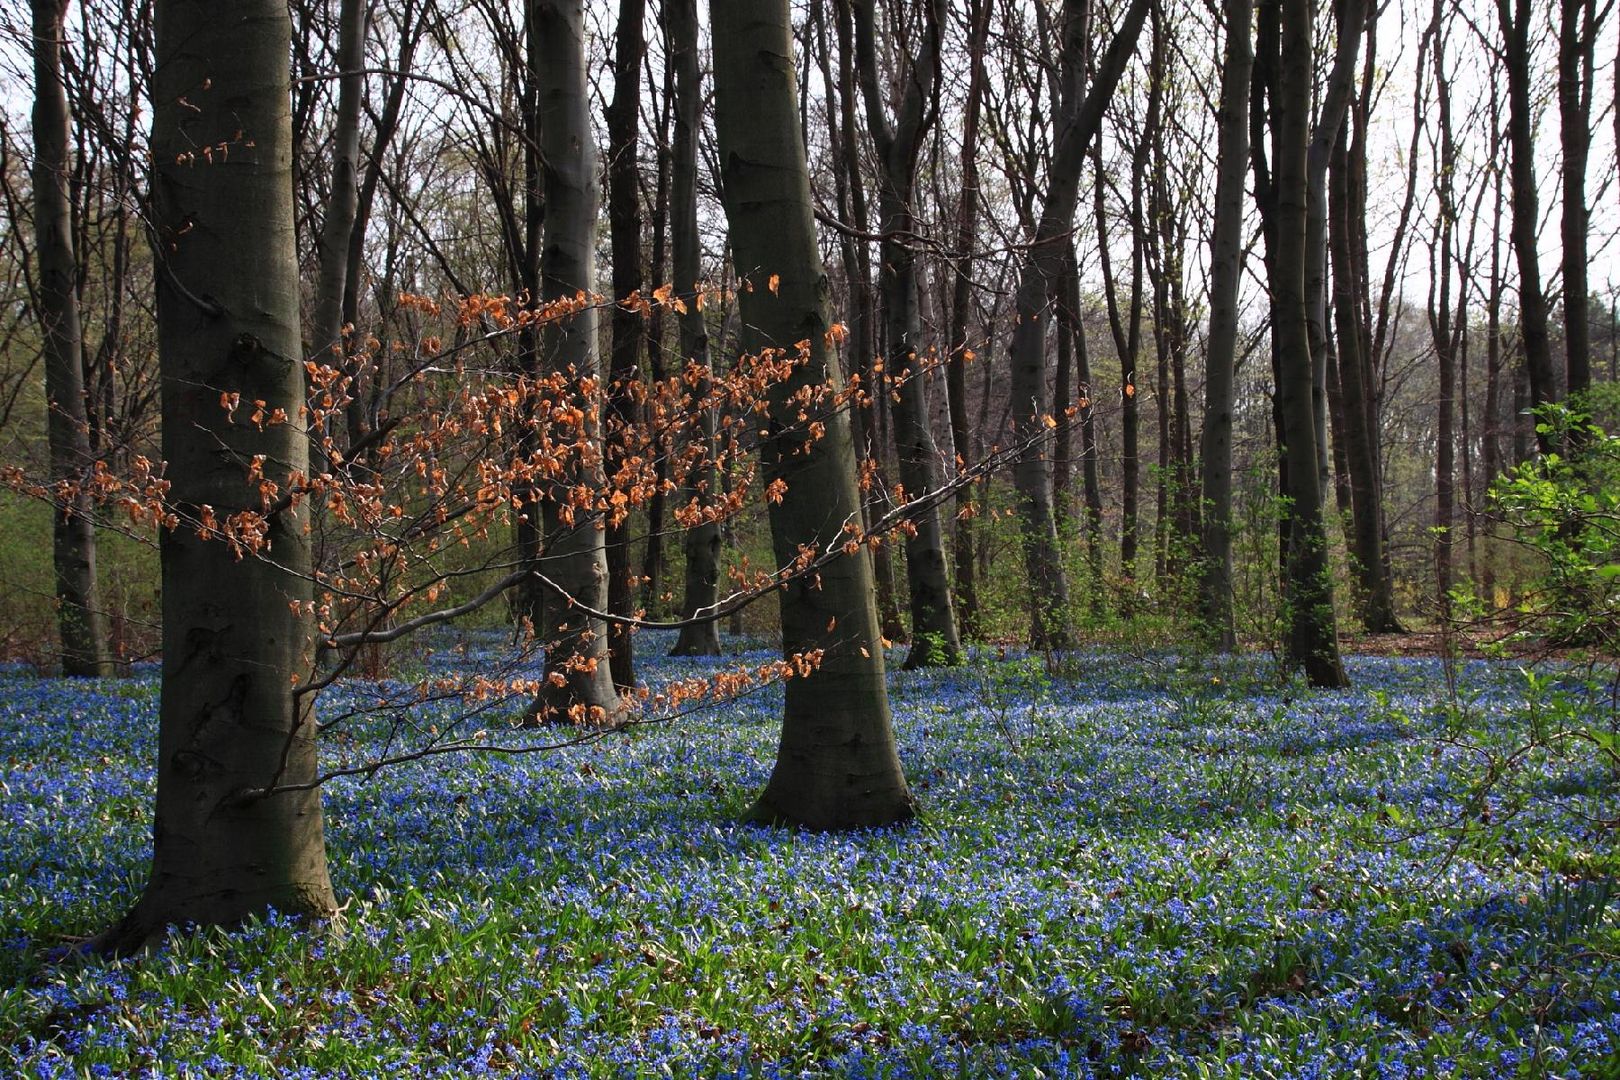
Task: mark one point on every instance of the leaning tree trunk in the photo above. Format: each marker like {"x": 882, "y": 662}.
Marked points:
{"x": 836, "y": 767}
{"x": 624, "y": 370}
{"x": 1220, "y": 365}
{"x": 702, "y": 542}
{"x": 79, "y": 619}
{"x": 1312, "y": 638}
{"x": 578, "y": 686}
{"x": 238, "y": 634}
{"x": 933, "y": 620}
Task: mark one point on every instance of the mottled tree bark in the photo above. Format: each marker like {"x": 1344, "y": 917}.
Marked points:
{"x": 836, "y": 767}
{"x": 80, "y": 623}
{"x": 238, "y": 635}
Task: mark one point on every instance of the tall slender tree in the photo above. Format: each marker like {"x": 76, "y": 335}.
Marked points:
{"x": 967, "y": 218}
{"x": 343, "y": 204}
{"x": 578, "y": 684}
{"x": 1080, "y": 112}
{"x": 702, "y": 542}
{"x": 1578, "y": 25}
{"x": 624, "y": 369}
{"x": 80, "y": 622}
{"x": 1312, "y": 638}
{"x": 899, "y": 144}
{"x": 1518, "y": 20}
{"x": 1220, "y": 362}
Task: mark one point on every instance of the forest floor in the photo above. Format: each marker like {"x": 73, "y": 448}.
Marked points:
{"x": 1143, "y": 866}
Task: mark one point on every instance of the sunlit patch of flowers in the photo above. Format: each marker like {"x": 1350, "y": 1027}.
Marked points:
{"x": 1153, "y": 868}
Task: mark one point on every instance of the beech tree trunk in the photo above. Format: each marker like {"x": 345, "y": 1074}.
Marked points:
{"x": 1068, "y": 309}
{"x": 238, "y": 635}
{"x": 933, "y": 621}
{"x": 80, "y": 622}
{"x": 578, "y": 686}
{"x": 1127, "y": 334}
{"x": 702, "y": 542}
{"x": 528, "y": 527}
{"x": 1517, "y": 18}
{"x": 836, "y": 767}
{"x": 967, "y": 218}
{"x": 1352, "y": 16}
{"x": 1077, "y": 124}
{"x": 1578, "y": 25}
{"x": 1312, "y": 638}
{"x": 624, "y": 370}
{"x": 326, "y": 345}
{"x": 1375, "y": 593}
{"x": 1220, "y": 366}
{"x": 866, "y": 333}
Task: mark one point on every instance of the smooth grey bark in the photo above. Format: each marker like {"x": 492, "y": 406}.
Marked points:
{"x": 1312, "y": 637}
{"x": 652, "y": 554}
{"x": 579, "y": 684}
{"x": 624, "y": 369}
{"x": 701, "y": 543}
{"x": 934, "y": 637}
{"x": 80, "y": 622}
{"x": 1080, "y": 115}
{"x": 1220, "y": 364}
{"x": 238, "y": 634}
{"x": 836, "y": 766}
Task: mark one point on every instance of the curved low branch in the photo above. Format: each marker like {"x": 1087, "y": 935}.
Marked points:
{"x": 379, "y": 637}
